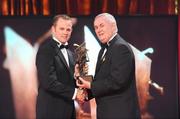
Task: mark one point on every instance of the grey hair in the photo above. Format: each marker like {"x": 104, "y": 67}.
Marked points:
{"x": 109, "y": 18}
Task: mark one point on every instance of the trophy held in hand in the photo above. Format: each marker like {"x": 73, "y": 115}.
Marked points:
{"x": 82, "y": 71}
{"x": 81, "y": 60}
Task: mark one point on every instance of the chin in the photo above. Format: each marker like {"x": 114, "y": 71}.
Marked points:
{"x": 64, "y": 41}
{"x": 103, "y": 41}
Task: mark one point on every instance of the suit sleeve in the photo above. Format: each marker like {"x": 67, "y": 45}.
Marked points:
{"x": 48, "y": 78}
{"x": 121, "y": 67}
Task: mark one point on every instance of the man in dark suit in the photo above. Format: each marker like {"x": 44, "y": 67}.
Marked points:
{"x": 113, "y": 86}
{"x": 55, "y": 67}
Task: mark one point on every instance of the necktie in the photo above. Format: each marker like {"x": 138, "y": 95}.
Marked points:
{"x": 64, "y": 46}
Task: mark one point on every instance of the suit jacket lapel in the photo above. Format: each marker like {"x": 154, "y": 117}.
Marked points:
{"x": 59, "y": 53}
{"x": 71, "y": 61}
{"x": 62, "y": 58}
{"x": 99, "y": 60}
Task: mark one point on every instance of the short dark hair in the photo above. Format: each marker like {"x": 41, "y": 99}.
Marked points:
{"x": 61, "y": 16}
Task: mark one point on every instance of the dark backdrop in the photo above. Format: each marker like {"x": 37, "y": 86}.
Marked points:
{"x": 158, "y": 32}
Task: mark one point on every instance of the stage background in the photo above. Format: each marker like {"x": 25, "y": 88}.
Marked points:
{"x": 158, "y": 32}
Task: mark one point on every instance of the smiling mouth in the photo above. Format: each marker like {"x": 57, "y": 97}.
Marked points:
{"x": 64, "y": 36}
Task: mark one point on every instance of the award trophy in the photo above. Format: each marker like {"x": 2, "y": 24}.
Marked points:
{"x": 81, "y": 60}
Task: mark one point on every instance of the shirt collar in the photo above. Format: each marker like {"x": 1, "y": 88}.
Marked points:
{"x": 111, "y": 39}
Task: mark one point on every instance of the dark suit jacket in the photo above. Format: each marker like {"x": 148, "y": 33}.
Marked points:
{"x": 114, "y": 85}
{"x": 56, "y": 83}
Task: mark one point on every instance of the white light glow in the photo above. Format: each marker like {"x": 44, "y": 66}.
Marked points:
{"x": 93, "y": 49}
{"x": 20, "y": 62}
{"x": 146, "y": 51}
{"x": 17, "y": 47}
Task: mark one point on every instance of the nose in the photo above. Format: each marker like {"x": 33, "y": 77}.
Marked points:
{"x": 66, "y": 32}
{"x": 98, "y": 30}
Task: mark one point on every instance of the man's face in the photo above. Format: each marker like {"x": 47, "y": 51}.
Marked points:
{"x": 62, "y": 30}
{"x": 104, "y": 29}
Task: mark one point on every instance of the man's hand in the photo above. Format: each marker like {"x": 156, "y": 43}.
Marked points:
{"x": 81, "y": 95}
{"x": 83, "y": 83}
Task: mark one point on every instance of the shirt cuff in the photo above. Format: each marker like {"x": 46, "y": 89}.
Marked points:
{"x": 75, "y": 93}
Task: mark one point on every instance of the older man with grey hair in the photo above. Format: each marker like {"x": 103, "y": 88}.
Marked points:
{"x": 113, "y": 86}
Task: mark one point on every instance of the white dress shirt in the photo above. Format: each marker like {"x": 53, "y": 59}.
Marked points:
{"x": 108, "y": 45}
{"x": 64, "y": 52}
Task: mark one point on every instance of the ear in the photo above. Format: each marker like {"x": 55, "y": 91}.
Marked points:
{"x": 114, "y": 26}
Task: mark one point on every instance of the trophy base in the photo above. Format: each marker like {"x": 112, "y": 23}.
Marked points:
{"x": 88, "y": 78}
